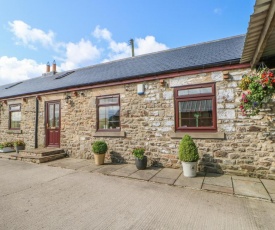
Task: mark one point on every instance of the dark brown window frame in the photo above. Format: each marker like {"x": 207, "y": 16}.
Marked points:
{"x": 184, "y": 98}
{"x": 10, "y": 112}
{"x": 106, "y": 105}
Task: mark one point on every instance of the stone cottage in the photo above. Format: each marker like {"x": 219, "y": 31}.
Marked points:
{"x": 152, "y": 100}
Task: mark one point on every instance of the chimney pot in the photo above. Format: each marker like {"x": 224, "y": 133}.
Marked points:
{"x": 48, "y": 67}
{"x": 54, "y": 67}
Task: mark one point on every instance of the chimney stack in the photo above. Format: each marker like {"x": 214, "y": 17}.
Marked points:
{"x": 48, "y": 67}
{"x": 54, "y": 67}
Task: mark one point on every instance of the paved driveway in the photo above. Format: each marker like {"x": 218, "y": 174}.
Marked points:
{"x": 43, "y": 197}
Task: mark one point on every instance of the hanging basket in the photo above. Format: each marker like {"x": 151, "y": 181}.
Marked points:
{"x": 258, "y": 89}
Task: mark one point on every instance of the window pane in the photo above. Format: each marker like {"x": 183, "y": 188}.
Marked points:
{"x": 15, "y": 120}
{"x": 186, "y": 92}
{"x": 110, "y": 100}
{"x": 197, "y": 113}
{"x": 51, "y": 116}
{"x": 109, "y": 117}
{"x": 56, "y": 115}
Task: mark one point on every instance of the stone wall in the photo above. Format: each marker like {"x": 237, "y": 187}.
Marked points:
{"x": 148, "y": 121}
{"x": 26, "y": 133}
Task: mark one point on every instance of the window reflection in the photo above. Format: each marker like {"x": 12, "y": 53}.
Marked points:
{"x": 108, "y": 113}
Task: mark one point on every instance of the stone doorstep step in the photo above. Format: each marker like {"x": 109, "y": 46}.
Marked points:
{"x": 39, "y": 159}
{"x": 41, "y": 153}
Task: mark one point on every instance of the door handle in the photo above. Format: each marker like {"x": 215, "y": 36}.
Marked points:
{"x": 47, "y": 125}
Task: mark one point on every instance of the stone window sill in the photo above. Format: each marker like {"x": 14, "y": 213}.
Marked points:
{"x": 14, "y": 132}
{"x": 109, "y": 134}
{"x": 198, "y": 135}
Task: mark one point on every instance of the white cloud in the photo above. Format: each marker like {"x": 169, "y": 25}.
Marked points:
{"x": 69, "y": 55}
{"x": 118, "y": 50}
{"x": 29, "y": 36}
{"x": 79, "y": 54}
{"x": 148, "y": 45}
{"x": 142, "y": 46}
{"x": 12, "y": 69}
{"x": 102, "y": 33}
{"x": 118, "y": 47}
{"x": 217, "y": 11}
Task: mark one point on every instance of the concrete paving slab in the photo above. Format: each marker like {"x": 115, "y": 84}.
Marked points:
{"x": 64, "y": 162}
{"x": 216, "y": 188}
{"x": 7, "y": 155}
{"x": 218, "y": 180}
{"x": 90, "y": 168}
{"x": 269, "y": 185}
{"x": 125, "y": 171}
{"x": 78, "y": 165}
{"x": 272, "y": 197}
{"x": 246, "y": 178}
{"x": 108, "y": 169}
{"x": 169, "y": 173}
{"x": 250, "y": 188}
{"x": 167, "y": 176}
{"x": 146, "y": 174}
{"x": 195, "y": 182}
{"x": 162, "y": 180}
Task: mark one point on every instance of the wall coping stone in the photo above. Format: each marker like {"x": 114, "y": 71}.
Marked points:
{"x": 198, "y": 135}
{"x": 109, "y": 134}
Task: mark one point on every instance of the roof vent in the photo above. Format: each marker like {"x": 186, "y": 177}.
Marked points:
{"x": 13, "y": 85}
{"x": 64, "y": 75}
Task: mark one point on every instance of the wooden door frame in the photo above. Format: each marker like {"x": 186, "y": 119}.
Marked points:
{"x": 46, "y": 119}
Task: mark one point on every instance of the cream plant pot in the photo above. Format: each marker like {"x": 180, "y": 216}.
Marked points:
{"x": 99, "y": 158}
{"x": 189, "y": 168}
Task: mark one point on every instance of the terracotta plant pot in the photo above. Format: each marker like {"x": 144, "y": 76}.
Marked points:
{"x": 99, "y": 159}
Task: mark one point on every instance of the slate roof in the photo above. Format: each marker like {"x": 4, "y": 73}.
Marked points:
{"x": 214, "y": 53}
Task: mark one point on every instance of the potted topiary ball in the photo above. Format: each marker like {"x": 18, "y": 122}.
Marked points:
{"x": 188, "y": 154}
{"x": 99, "y": 148}
{"x": 140, "y": 159}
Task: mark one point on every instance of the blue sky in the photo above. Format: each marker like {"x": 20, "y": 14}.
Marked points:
{"x": 86, "y": 32}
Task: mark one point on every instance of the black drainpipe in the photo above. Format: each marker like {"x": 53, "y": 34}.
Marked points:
{"x": 36, "y": 124}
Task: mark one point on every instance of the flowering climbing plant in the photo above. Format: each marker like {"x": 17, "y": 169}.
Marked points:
{"x": 258, "y": 88}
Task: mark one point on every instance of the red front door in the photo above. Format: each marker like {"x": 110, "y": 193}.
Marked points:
{"x": 53, "y": 124}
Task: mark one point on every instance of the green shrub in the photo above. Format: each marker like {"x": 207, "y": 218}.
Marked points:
{"x": 188, "y": 150}
{"x": 6, "y": 144}
{"x": 99, "y": 147}
{"x": 139, "y": 153}
{"x": 19, "y": 143}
